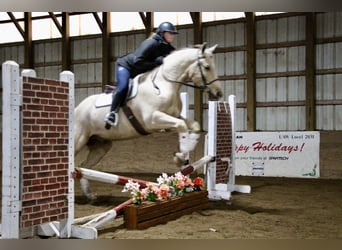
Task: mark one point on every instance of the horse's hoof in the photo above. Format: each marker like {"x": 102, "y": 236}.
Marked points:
{"x": 179, "y": 159}
{"x": 92, "y": 199}
{"x": 108, "y": 126}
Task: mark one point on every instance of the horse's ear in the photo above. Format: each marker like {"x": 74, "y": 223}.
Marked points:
{"x": 200, "y": 46}
{"x": 203, "y": 47}
{"x": 212, "y": 49}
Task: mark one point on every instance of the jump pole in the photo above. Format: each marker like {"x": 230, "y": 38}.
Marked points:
{"x": 220, "y": 142}
{"x": 103, "y": 218}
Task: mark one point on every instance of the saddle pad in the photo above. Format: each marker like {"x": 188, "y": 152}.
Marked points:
{"x": 104, "y": 100}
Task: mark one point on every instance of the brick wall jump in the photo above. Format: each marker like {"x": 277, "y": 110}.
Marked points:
{"x": 45, "y": 133}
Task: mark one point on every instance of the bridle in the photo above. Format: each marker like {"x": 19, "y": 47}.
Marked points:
{"x": 204, "y": 85}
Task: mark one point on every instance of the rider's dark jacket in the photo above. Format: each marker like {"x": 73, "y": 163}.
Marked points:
{"x": 147, "y": 56}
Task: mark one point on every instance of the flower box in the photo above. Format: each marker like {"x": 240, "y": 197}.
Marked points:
{"x": 150, "y": 214}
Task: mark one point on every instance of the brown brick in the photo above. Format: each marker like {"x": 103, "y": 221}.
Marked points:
{"x": 46, "y": 200}
{"x": 36, "y": 188}
{"x": 28, "y": 203}
{"x": 45, "y": 95}
{"x": 37, "y": 215}
{"x": 29, "y": 176}
{"x": 52, "y": 186}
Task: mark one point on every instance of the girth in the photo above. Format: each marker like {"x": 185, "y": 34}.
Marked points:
{"x": 133, "y": 120}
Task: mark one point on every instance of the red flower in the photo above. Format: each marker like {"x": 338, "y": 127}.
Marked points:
{"x": 198, "y": 182}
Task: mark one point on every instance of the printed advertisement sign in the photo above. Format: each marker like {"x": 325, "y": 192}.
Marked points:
{"x": 286, "y": 154}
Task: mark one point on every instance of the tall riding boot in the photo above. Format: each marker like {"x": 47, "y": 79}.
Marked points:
{"x": 112, "y": 117}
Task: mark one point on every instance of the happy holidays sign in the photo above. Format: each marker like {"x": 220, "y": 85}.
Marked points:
{"x": 287, "y": 154}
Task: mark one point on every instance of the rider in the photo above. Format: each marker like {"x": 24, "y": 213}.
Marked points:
{"x": 149, "y": 55}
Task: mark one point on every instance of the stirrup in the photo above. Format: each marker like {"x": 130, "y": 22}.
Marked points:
{"x": 111, "y": 119}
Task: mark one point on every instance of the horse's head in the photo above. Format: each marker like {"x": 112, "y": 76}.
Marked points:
{"x": 203, "y": 72}
{"x": 194, "y": 65}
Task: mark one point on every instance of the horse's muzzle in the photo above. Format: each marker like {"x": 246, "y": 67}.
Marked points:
{"x": 215, "y": 95}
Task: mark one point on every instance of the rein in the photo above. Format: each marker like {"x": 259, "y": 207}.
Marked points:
{"x": 204, "y": 80}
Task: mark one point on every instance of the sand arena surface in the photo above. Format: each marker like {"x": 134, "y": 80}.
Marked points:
{"x": 277, "y": 208}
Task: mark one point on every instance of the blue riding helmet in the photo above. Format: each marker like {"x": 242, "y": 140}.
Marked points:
{"x": 166, "y": 27}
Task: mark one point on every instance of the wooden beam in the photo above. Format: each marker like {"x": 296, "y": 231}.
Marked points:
{"x": 106, "y": 49}
{"x": 143, "y": 18}
{"x": 55, "y": 20}
{"x": 98, "y": 21}
{"x": 29, "y": 55}
{"x": 198, "y": 29}
{"x": 310, "y": 80}
{"x": 66, "y": 57}
{"x": 251, "y": 76}
{"x": 16, "y": 23}
{"x": 148, "y": 21}
{"x": 198, "y": 39}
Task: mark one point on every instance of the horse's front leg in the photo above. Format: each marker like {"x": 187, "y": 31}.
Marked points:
{"x": 188, "y": 132}
{"x": 162, "y": 120}
{"x": 193, "y": 126}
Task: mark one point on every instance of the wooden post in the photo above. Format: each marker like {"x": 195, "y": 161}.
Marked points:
{"x": 251, "y": 80}
{"x": 198, "y": 94}
{"x": 310, "y": 79}
{"x": 66, "y": 62}
{"x": 29, "y": 58}
{"x": 106, "y": 49}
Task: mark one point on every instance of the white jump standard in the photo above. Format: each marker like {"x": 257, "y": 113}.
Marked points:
{"x": 220, "y": 142}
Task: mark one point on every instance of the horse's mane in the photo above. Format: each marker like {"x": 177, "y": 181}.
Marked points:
{"x": 179, "y": 51}
{"x": 173, "y": 53}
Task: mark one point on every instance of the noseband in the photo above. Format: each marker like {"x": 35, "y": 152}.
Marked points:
{"x": 204, "y": 85}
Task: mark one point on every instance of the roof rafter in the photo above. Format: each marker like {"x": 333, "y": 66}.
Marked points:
{"x": 16, "y": 23}
{"x": 55, "y": 20}
{"x": 98, "y": 20}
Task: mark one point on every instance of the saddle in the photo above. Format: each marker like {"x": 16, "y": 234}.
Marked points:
{"x": 105, "y": 99}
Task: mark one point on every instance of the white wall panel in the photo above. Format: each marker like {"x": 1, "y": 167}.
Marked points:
{"x": 280, "y": 30}
{"x": 328, "y": 57}
{"x": 296, "y": 88}
{"x": 235, "y": 63}
{"x": 280, "y": 118}
{"x": 329, "y": 87}
{"x": 213, "y": 35}
{"x": 280, "y": 59}
{"x": 12, "y": 52}
{"x": 184, "y": 39}
{"x": 281, "y": 89}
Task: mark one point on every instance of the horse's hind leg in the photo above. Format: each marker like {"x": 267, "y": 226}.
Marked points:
{"x": 98, "y": 148}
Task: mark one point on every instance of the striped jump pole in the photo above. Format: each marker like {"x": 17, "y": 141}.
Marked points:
{"x": 103, "y": 218}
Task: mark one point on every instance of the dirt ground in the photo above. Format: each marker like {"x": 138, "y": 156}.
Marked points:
{"x": 277, "y": 208}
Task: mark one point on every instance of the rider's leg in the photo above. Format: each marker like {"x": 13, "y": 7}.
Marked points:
{"x": 119, "y": 98}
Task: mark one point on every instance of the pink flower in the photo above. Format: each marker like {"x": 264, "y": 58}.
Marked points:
{"x": 163, "y": 191}
{"x": 180, "y": 184}
{"x": 143, "y": 194}
{"x": 188, "y": 182}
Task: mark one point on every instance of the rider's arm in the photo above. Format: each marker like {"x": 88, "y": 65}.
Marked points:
{"x": 144, "y": 56}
